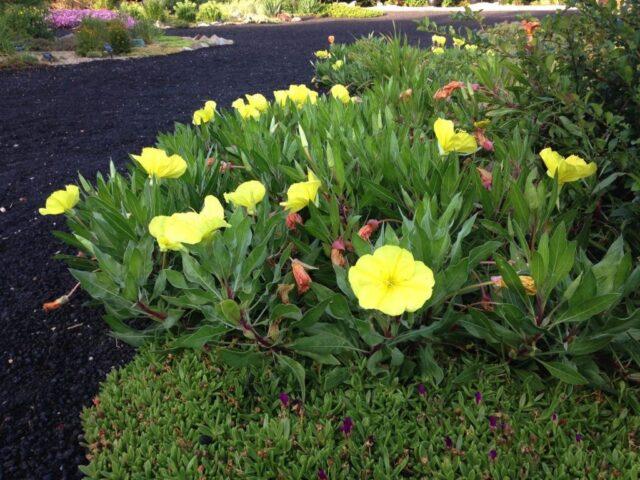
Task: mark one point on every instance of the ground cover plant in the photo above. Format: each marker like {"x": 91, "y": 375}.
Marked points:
{"x": 400, "y": 232}
{"x": 189, "y": 416}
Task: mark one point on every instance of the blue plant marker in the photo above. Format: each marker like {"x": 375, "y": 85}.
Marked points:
{"x": 48, "y": 57}
{"x": 137, "y": 42}
{"x": 108, "y": 49}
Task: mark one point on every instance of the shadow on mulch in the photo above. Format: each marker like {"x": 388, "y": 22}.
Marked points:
{"x": 57, "y": 122}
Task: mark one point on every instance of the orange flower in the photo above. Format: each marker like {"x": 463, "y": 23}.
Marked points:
{"x": 529, "y": 28}
{"x": 446, "y": 91}
{"x": 369, "y": 228}
{"x": 331, "y": 39}
{"x": 482, "y": 140}
{"x": 293, "y": 220}
{"x": 527, "y": 282}
{"x": 300, "y": 275}
{"x": 56, "y": 304}
{"x": 337, "y": 258}
{"x": 485, "y": 177}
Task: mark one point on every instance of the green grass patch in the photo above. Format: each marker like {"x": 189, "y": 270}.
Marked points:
{"x": 186, "y": 416}
{"x": 343, "y": 10}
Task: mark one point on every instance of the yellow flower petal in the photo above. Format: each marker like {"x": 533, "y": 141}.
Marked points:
{"x": 61, "y": 201}
{"x": 451, "y": 141}
{"x": 300, "y": 194}
{"x": 568, "y": 169}
{"x": 248, "y": 195}
{"x": 340, "y": 92}
{"x": 258, "y": 101}
{"x": 158, "y": 164}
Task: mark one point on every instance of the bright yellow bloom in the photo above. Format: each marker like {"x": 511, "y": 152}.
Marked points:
{"x": 258, "y": 102}
{"x": 248, "y": 195}
{"x": 451, "y": 141}
{"x": 281, "y": 97}
{"x": 173, "y": 231}
{"x": 337, "y": 65}
{"x": 471, "y": 48}
{"x": 206, "y": 114}
{"x": 527, "y": 282}
{"x": 438, "y": 40}
{"x": 299, "y": 195}
{"x": 458, "y": 42}
{"x": 437, "y": 50}
{"x": 246, "y": 110}
{"x": 391, "y": 281}
{"x": 300, "y": 95}
{"x": 568, "y": 169}
{"x": 323, "y": 54}
{"x": 61, "y": 201}
{"x": 340, "y": 92}
{"x": 158, "y": 164}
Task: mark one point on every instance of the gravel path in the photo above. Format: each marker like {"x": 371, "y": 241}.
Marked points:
{"x": 60, "y": 121}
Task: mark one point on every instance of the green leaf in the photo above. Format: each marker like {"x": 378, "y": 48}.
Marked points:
{"x": 200, "y": 337}
{"x": 587, "y": 309}
{"x": 231, "y": 311}
{"x": 297, "y": 369}
{"x": 565, "y": 373}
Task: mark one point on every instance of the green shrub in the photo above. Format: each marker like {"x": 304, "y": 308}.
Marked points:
{"x": 155, "y": 10}
{"x": 343, "y": 10}
{"x": 306, "y": 7}
{"x": 133, "y": 9}
{"x": 209, "y": 12}
{"x": 118, "y": 37}
{"x": 185, "y": 11}
{"x": 108, "y": 4}
{"x": 186, "y": 416}
{"x": 24, "y": 22}
{"x": 6, "y": 38}
{"x": 272, "y": 8}
{"x": 146, "y": 30}
{"x": 91, "y": 36}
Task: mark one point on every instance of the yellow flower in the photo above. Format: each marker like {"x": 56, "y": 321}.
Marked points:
{"x": 158, "y": 164}
{"x": 337, "y": 65}
{"x": 341, "y": 93}
{"x": 438, "y": 40}
{"x": 458, "y": 42}
{"x": 568, "y": 169}
{"x": 61, "y": 201}
{"x": 246, "y": 110}
{"x": 248, "y": 195}
{"x": 323, "y": 54}
{"x": 471, "y": 48}
{"x": 299, "y": 195}
{"x": 300, "y": 94}
{"x": 391, "y": 281}
{"x": 281, "y": 97}
{"x": 437, "y": 50}
{"x": 527, "y": 282}
{"x": 451, "y": 141}
{"x": 173, "y": 231}
{"x": 206, "y": 114}
{"x": 258, "y": 102}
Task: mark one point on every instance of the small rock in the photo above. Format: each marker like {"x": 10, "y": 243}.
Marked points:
{"x": 296, "y": 19}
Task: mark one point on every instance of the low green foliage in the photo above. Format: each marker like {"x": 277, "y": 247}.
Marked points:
{"x": 187, "y": 417}
{"x": 118, "y": 37}
{"x": 146, "y": 30}
{"x": 20, "y": 23}
{"x": 93, "y": 34}
{"x": 209, "y": 12}
{"x": 133, "y": 9}
{"x": 186, "y": 10}
{"x": 155, "y": 10}
{"x": 343, "y": 10}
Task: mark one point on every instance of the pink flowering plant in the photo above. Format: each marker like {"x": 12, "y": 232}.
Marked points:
{"x": 71, "y": 18}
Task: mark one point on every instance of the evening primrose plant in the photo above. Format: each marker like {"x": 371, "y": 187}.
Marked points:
{"x": 374, "y": 228}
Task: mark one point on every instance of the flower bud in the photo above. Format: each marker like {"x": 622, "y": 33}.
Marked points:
{"x": 283, "y": 292}
{"x": 485, "y": 177}
{"x": 293, "y": 220}
{"x": 368, "y": 229}
{"x": 300, "y": 275}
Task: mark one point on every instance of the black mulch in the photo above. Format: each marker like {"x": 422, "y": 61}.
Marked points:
{"x": 57, "y": 122}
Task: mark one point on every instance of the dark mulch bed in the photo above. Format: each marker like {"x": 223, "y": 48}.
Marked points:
{"x": 57, "y": 122}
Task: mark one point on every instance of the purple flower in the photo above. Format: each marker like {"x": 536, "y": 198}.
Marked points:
{"x": 578, "y": 437}
{"x": 493, "y": 422}
{"x": 347, "y": 426}
{"x": 478, "y": 397}
{"x": 284, "y": 399}
{"x": 554, "y": 417}
{"x": 493, "y": 455}
{"x": 422, "y": 390}
{"x": 322, "y": 475}
{"x": 448, "y": 442}
{"x": 71, "y": 18}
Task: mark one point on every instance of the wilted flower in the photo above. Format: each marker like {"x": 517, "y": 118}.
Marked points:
{"x": 248, "y": 195}
{"x": 493, "y": 422}
{"x": 527, "y": 282}
{"x": 391, "y": 281}
{"x": 205, "y": 114}
{"x": 369, "y": 229}
{"x": 283, "y": 292}
{"x": 438, "y": 40}
{"x": 492, "y": 455}
{"x": 337, "y": 65}
{"x": 347, "y": 426}
{"x": 340, "y": 92}
{"x": 485, "y": 177}
{"x": 451, "y": 141}
{"x": 406, "y": 94}
{"x": 322, "y": 475}
{"x": 458, "y": 42}
{"x": 331, "y": 39}
{"x": 578, "y": 437}
{"x": 554, "y": 417}
{"x": 448, "y": 443}
{"x": 478, "y": 398}
{"x": 158, "y": 164}
{"x": 422, "y": 390}
{"x": 337, "y": 258}
{"x": 284, "y": 399}
{"x": 567, "y": 169}
{"x": 56, "y": 304}
{"x": 300, "y": 194}
{"x": 173, "y": 231}
{"x": 482, "y": 140}
{"x": 300, "y": 275}
{"x": 293, "y": 220}
{"x": 446, "y": 91}
{"x": 61, "y": 201}
{"x": 323, "y": 54}
{"x": 529, "y": 28}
